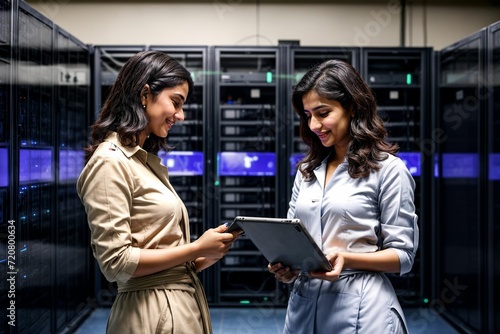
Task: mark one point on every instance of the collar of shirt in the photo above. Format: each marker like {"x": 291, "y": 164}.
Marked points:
{"x": 127, "y": 151}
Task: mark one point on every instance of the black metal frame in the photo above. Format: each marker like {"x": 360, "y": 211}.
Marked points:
{"x": 493, "y": 206}
{"x": 275, "y": 133}
{"x": 414, "y": 287}
{"x": 453, "y": 260}
{"x": 33, "y": 203}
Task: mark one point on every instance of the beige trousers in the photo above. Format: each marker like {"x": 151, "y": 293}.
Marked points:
{"x": 171, "y": 301}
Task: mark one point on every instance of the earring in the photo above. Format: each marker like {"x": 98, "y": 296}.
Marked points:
{"x": 144, "y": 106}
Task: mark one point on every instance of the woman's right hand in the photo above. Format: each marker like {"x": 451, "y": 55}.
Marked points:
{"x": 283, "y": 274}
{"x": 214, "y": 243}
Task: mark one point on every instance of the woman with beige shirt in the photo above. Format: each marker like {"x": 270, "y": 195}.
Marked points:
{"x": 139, "y": 225}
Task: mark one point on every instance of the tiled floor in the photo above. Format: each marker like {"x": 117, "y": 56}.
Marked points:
{"x": 270, "y": 321}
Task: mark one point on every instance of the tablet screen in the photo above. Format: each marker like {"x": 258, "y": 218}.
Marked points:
{"x": 283, "y": 240}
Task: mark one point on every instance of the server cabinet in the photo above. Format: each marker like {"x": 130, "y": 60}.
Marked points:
{"x": 7, "y": 253}
{"x": 108, "y": 61}
{"x": 34, "y": 213}
{"x": 5, "y": 70}
{"x": 299, "y": 60}
{"x": 400, "y": 79}
{"x": 246, "y": 89}
{"x": 190, "y": 140}
{"x": 71, "y": 232}
{"x": 493, "y": 150}
{"x": 36, "y": 194}
{"x": 461, "y": 213}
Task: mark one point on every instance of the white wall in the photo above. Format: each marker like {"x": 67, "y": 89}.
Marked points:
{"x": 239, "y": 22}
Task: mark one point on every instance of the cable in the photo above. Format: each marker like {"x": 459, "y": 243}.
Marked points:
{"x": 257, "y": 37}
{"x": 257, "y": 19}
{"x": 424, "y": 19}
{"x": 410, "y": 22}
{"x": 403, "y": 23}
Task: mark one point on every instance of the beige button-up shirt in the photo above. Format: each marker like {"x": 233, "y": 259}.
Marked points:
{"x": 130, "y": 205}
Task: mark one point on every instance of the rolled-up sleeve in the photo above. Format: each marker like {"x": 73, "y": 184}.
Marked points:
{"x": 295, "y": 193}
{"x": 106, "y": 190}
{"x": 399, "y": 229}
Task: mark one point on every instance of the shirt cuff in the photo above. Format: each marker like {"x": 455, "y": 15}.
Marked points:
{"x": 405, "y": 262}
{"x": 130, "y": 266}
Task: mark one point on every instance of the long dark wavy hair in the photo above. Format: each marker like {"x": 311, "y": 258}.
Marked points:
{"x": 123, "y": 112}
{"x": 339, "y": 81}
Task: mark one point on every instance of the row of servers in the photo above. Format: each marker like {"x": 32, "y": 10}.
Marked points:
{"x": 439, "y": 106}
{"x": 237, "y": 149}
{"x": 44, "y": 115}
{"x": 466, "y": 146}
{"x": 236, "y": 154}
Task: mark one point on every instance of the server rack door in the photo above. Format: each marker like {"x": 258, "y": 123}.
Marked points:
{"x": 399, "y": 78}
{"x": 5, "y": 69}
{"x": 7, "y": 253}
{"x": 246, "y": 103}
{"x": 461, "y": 215}
{"x": 493, "y": 129}
{"x": 72, "y": 268}
{"x": 36, "y": 178}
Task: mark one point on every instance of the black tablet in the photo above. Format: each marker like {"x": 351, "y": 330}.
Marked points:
{"x": 283, "y": 240}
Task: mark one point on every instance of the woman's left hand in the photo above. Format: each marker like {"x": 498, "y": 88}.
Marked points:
{"x": 282, "y": 273}
{"x": 337, "y": 261}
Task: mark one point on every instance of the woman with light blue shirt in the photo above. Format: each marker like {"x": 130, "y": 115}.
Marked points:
{"x": 355, "y": 197}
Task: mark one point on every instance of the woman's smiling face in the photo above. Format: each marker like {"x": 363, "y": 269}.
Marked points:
{"x": 327, "y": 119}
{"x": 166, "y": 110}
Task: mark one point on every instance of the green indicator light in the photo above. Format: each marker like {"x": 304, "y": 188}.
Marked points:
{"x": 265, "y": 298}
{"x": 244, "y": 302}
{"x": 217, "y": 162}
{"x": 269, "y": 77}
{"x": 426, "y": 300}
{"x": 408, "y": 79}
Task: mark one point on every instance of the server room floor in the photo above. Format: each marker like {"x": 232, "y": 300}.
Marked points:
{"x": 269, "y": 320}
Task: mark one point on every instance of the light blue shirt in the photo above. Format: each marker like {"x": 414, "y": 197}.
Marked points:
{"x": 360, "y": 215}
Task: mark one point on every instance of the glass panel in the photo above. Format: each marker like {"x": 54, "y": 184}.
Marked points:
{"x": 460, "y": 227}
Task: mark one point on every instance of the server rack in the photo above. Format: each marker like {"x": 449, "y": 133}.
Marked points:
{"x": 6, "y": 165}
{"x": 246, "y": 87}
{"x": 187, "y": 162}
{"x": 35, "y": 144}
{"x": 35, "y": 198}
{"x": 5, "y": 66}
{"x": 400, "y": 79}
{"x": 461, "y": 214}
{"x": 493, "y": 150}
{"x": 70, "y": 233}
{"x": 108, "y": 60}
